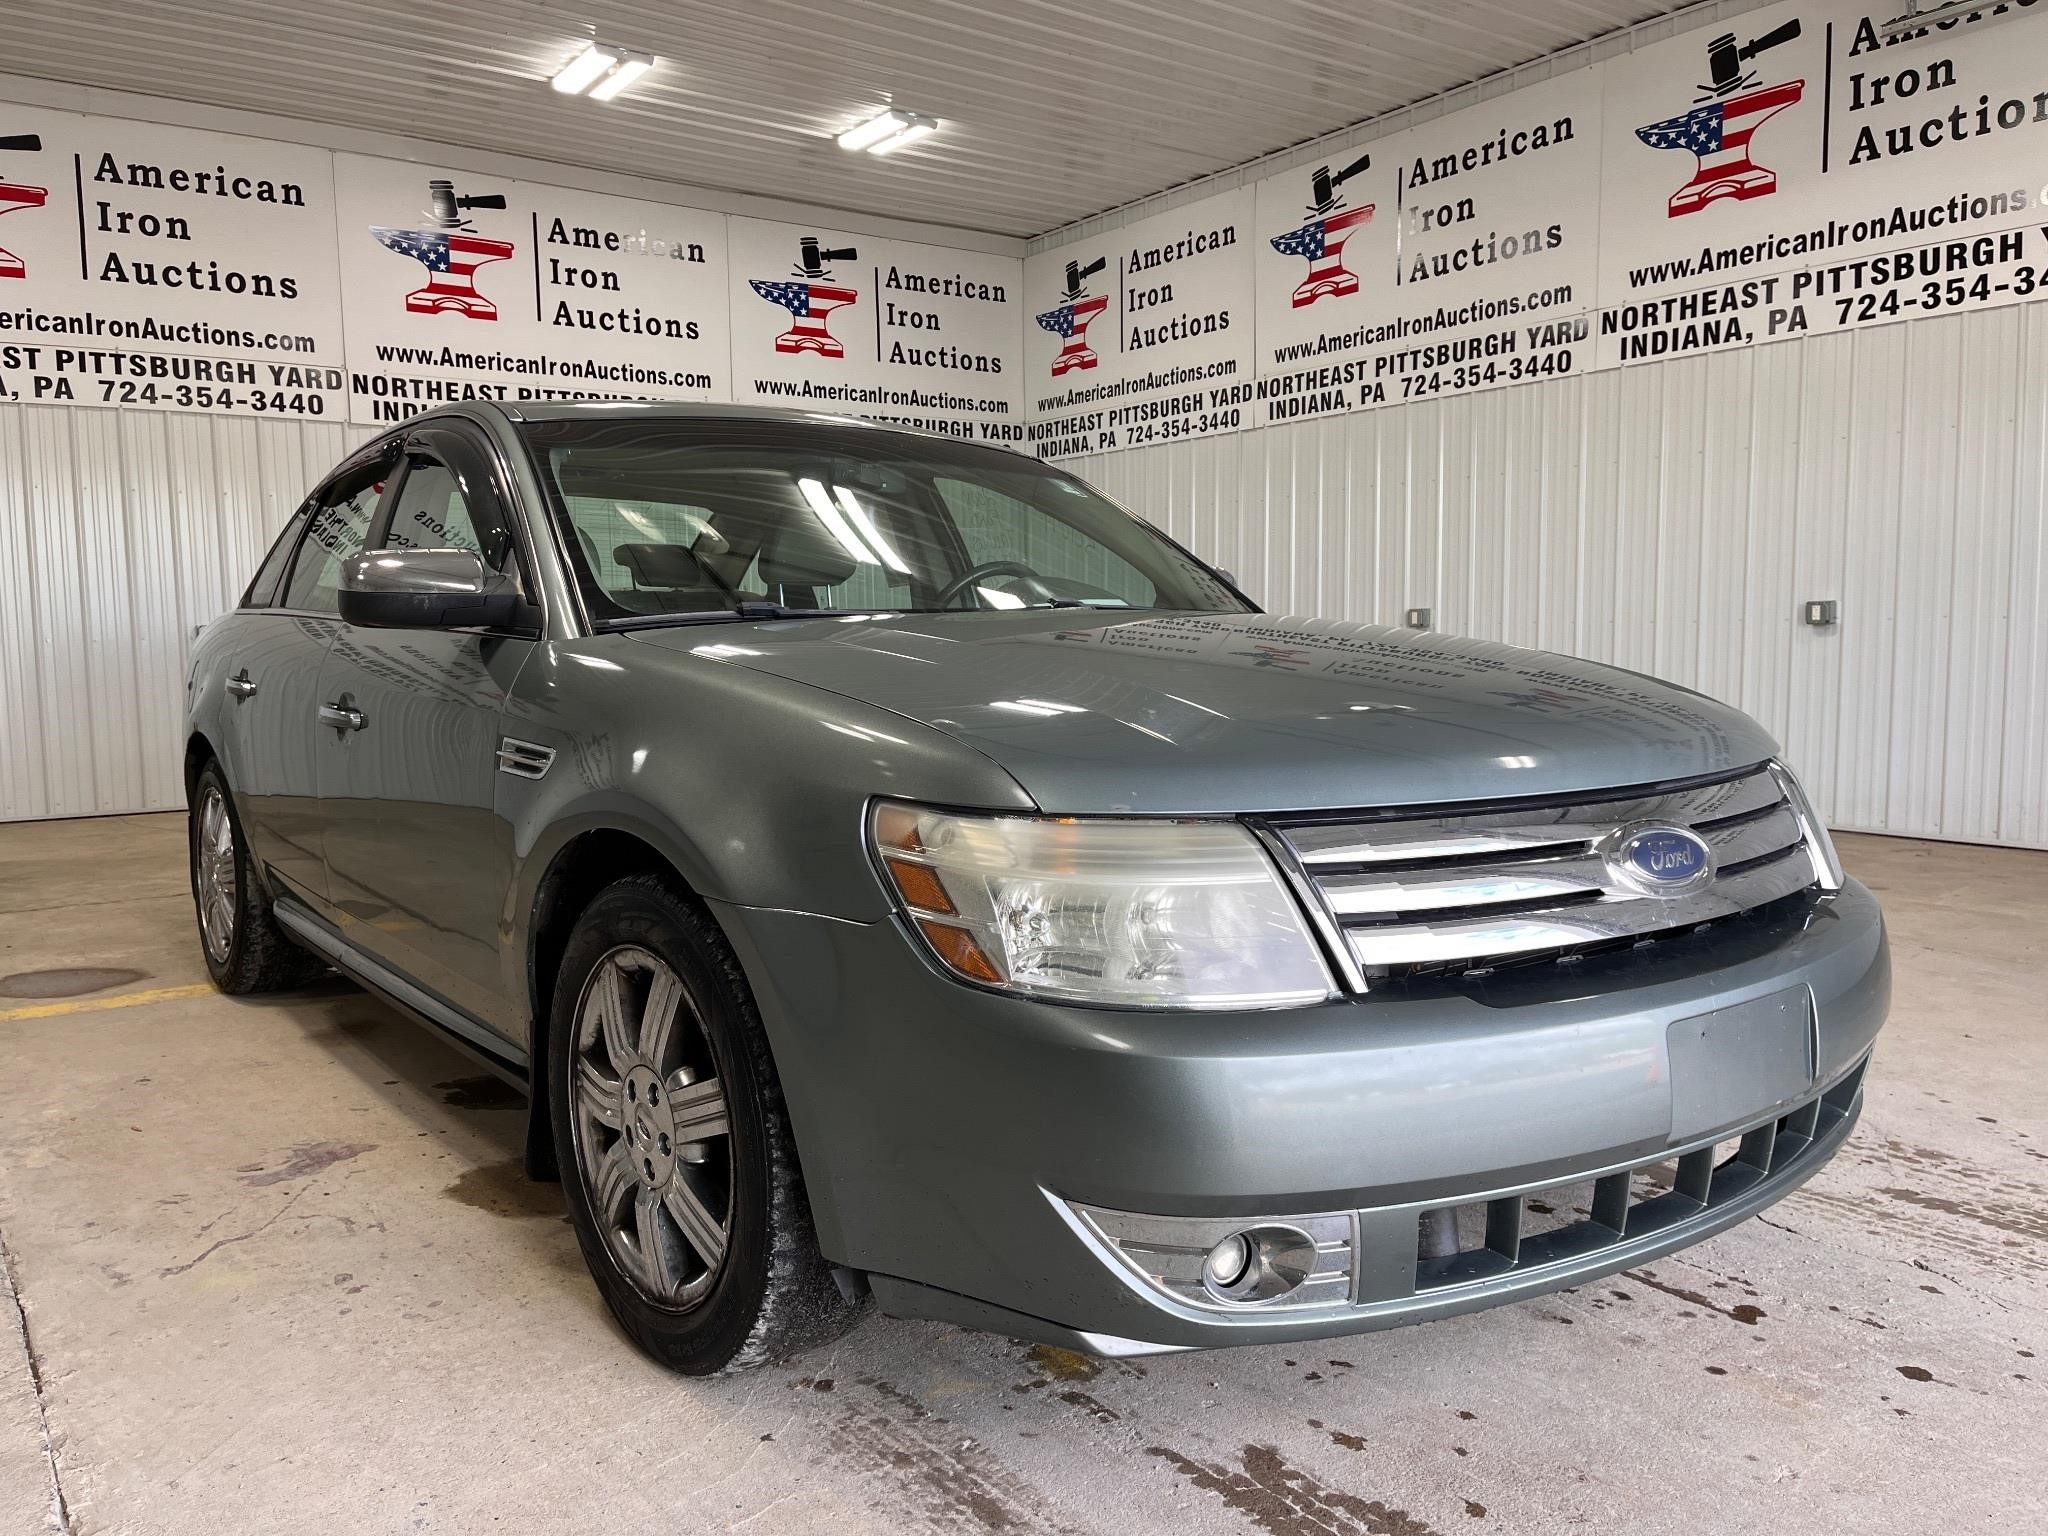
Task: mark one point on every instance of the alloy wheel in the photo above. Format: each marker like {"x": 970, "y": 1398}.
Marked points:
{"x": 652, "y": 1129}
{"x": 214, "y": 874}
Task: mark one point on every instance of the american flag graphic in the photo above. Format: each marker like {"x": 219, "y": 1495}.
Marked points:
{"x": 809, "y": 304}
{"x": 1719, "y": 133}
{"x": 451, "y": 258}
{"x": 14, "y": 197}
{"x": 1321, "y": 241}
{"x": 1539, "y": 698}
{"x": 1285, "y": 657}
{"x": 1070, "y": 323}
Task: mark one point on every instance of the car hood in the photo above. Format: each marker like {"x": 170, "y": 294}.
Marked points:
{"x": 1098, "y": 713}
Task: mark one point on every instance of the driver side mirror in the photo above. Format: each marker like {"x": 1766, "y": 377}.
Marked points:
{"x": 426, "y": 589}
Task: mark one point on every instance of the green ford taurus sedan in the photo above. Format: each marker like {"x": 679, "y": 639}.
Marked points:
{"x": 898, "y": 876}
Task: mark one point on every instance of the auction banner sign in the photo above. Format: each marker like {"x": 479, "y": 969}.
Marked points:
{"x": 182, "y": 269}
{"x": 1787, "y": 172}
{"x": 1439, "y": 260}
{"x": 1802, "y": 174}
{"x": 165, "y": 268}
{"x": 1144, "y": 335}
{"x": 462, "y": 287}
{"x": 922, "y": 335}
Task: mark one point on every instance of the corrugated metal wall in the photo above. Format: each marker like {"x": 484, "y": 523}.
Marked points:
{"x": 1671, "y": 517}
{"x": 119, "y": 532}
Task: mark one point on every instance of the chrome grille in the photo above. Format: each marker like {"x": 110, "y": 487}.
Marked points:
{"x": 1467, "y": 887}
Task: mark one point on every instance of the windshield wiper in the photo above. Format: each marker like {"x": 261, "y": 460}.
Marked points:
{"x": 743, "y": 613}
{"x": 759, "y": 609}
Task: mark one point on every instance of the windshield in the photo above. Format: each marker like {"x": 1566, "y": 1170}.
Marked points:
{"x": 673, "y": 518}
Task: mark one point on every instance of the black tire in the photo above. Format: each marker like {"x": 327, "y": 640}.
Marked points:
{"x": 771, "y": 1293}
{"x": 257, "y": 956}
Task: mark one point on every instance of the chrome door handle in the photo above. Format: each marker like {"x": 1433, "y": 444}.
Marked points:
{"x": 241, "y": 685}
{"x": 343, "y": 717}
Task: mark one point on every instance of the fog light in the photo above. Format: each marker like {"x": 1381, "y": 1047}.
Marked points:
{"x": 1259, "y": 1264}
{"x": 1227, "y": 1262}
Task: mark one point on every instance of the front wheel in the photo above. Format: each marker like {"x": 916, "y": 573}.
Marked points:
{"x": 669, "y": 1126}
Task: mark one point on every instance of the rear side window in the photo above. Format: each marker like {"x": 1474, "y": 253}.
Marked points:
{"x": 263, "y": 590}
{"x": 340, "y": 519}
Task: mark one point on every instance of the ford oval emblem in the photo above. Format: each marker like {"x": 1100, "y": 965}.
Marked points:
{"x": 1660, "y": 860}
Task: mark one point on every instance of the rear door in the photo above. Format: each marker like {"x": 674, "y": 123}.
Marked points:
{"x": 418, "y": 862}
{"x": 271, "y": 672}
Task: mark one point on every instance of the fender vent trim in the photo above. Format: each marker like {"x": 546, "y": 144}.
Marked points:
{"x": 524, "y": 759}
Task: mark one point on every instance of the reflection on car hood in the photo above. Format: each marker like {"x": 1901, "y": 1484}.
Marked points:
{"x": 1204, "y": 713}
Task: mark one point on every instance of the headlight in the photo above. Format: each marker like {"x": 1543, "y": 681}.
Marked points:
{"x": 1141, "y": 914}
{"x": 1827, "y": 864}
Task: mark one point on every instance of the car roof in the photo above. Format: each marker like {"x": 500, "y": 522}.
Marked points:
{"x": 515, "y": 411}
{"x": 583, "y": 410}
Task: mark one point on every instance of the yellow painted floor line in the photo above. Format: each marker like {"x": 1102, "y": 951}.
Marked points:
{"x": 95, "y": 1004}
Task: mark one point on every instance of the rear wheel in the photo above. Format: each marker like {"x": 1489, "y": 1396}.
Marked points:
{"x": 674, "y": 1145}
{"x": 244, "y": 948}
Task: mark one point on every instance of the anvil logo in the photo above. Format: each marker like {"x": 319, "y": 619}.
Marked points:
{"x": 1321, "y": 240}
{"x": 1071, "y": 320}
{"x": 451, "y": 251}
{"x": 810, "y": 299}
{"x": 15, "y": 196}
{"x": 1718, "y": 132}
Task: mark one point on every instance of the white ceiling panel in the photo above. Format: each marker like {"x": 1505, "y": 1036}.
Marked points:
{"x": 1052, "y": 110}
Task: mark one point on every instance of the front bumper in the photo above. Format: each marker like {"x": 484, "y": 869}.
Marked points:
{"x": 980, "y": 1156}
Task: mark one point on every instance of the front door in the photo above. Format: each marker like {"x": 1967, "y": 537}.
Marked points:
{"x": 418, "y": 862}
{"x": 273, "y": 676}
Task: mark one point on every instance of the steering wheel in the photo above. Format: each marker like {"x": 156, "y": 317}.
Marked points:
{"x": 966, "y": 579}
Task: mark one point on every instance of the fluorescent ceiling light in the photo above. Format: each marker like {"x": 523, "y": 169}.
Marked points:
{"x": 581, "y": 72}
{"x": 911, "y": 132}
{"x": 881, "y": 126}
{"x": 630, "y": 67}
{"x": 1917, "y": 23}
{"x": 888, "y": 131}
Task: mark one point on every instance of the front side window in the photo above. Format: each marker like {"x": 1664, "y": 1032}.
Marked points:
{"x": 334, "y": 531}
{"x": 432, "y": 513}
{"x": 669, "y": 517}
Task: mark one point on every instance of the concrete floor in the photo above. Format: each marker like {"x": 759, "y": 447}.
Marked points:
{"x": 278, "y": 1271}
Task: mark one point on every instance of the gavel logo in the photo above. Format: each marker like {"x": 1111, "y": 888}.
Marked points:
{"x": 1078, "y": 275}
{"x": 448, "y": 209}
{"x": 15, "y": 196}
{"x": 814, "y": 263}
{"x": 810, "y": 299}
{"x": 1718, "y": 132}
{"x": 447, "y": 246}
{"x": 1070, "y": 321}
{"x": 1320, "y": 241}
{"x": 1725, "y": 58}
